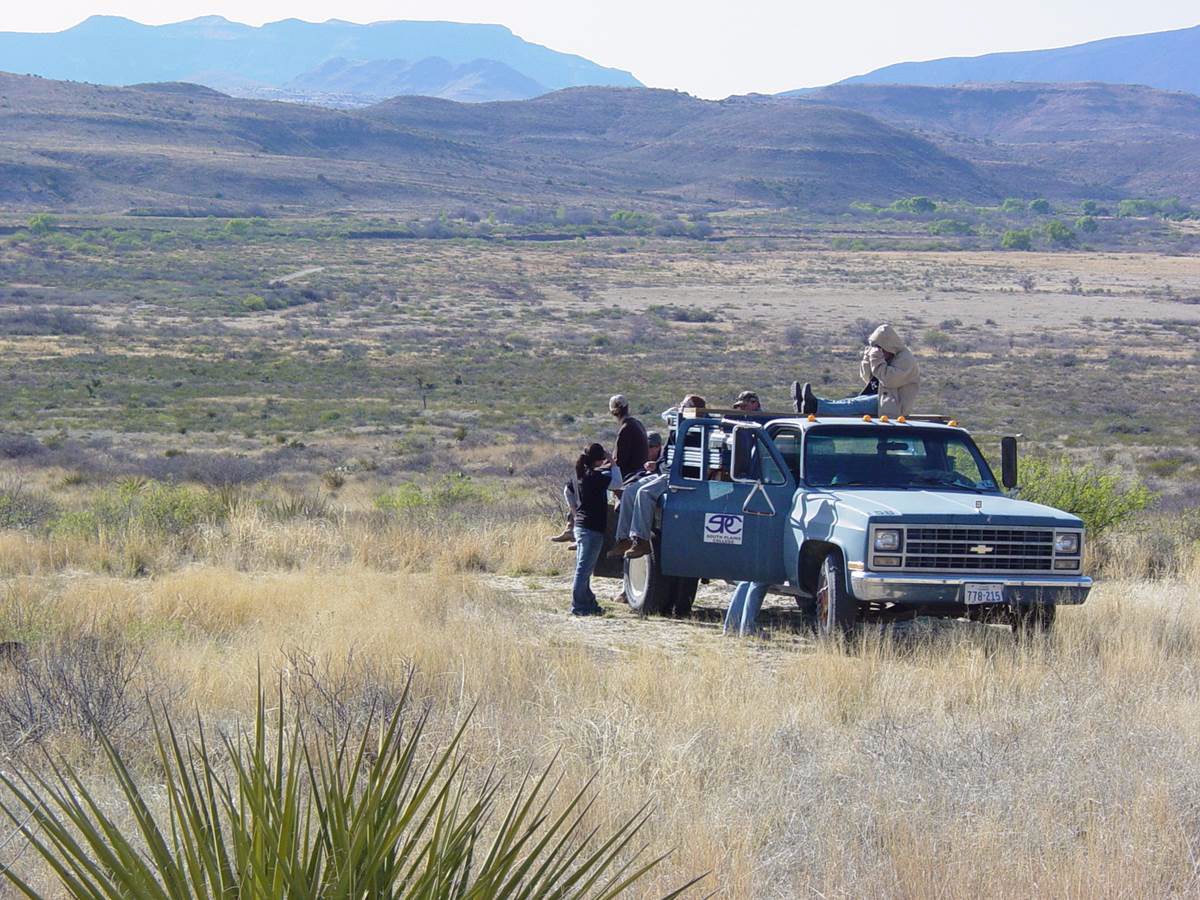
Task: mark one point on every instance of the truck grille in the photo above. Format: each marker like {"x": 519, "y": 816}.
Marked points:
{"x": 967, "y": 549}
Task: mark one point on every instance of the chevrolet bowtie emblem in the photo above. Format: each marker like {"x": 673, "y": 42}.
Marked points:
{"x": 981, "y": 549}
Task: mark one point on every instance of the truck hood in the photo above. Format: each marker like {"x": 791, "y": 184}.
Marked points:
{"x": 925, "y": 506}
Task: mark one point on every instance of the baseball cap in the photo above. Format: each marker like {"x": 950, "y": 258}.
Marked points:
{"x": 654, "y": 439}
{"x": 617, "y": 401}
{"x": 746, "y": 395}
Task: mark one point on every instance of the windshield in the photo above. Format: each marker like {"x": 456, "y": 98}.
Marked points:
{"x": 894, "y": 458}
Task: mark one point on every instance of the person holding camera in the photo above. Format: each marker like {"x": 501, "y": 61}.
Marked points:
{"x": 889, "y": 372}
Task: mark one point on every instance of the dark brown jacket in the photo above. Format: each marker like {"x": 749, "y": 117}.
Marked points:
{"x": 632, "y": 447}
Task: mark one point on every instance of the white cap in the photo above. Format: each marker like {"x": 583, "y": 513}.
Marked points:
{"x": 617, "y": 401}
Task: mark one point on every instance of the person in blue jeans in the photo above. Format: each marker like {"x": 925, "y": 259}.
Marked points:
{"x": 595, "y": 476}
{"x": 744, "y": 605}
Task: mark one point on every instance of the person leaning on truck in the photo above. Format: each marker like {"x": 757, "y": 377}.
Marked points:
{"x": 635, "y": 525}
{"x": 886, "y": 363}
{"x": 632, "y": 447}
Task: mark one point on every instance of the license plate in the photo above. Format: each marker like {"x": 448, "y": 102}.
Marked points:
{"x": 979, "y": 594}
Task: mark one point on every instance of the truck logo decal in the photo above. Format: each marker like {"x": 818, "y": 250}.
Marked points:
{"x": 722, "y": 528}
{"x": 981, "y": 549}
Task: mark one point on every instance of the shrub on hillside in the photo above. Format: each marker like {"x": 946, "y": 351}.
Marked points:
{"x": 1017, "y": 239}
{"x": 1041, "y": 206}
{"x": 918, "y": 205}
{"x": 1103, "y": 498}
{"x": 1060, "y": 234}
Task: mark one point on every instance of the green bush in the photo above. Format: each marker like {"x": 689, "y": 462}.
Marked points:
{"x": 23, "y": 509}
{"x": 1041, "y": 206}
{"x": 1102, "y": 498}
{"x": 1087, "y": 224}
{"x": 918, "y": 205}
{"x": 1014, "y": 205}
{"x": 151, "y": 507}
{"x": 42, "y": 223}
{"x": 254, "y": 303}
{"x": 1060, "y": 233}
{"x": 281, "y": 812}
{"x": 449, "y": 491}
{"x": 949, "y": 227}
{"x": 1017, "y": 239}
{"x": 1137, "y": 208}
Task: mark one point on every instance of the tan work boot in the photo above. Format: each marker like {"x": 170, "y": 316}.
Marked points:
{"x": 619, "y": 549}
{"x": 567, "y": 535}
{"x": 640, "y": 548}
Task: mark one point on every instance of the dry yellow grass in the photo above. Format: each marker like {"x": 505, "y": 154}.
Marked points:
{"x": 950, "y": 763}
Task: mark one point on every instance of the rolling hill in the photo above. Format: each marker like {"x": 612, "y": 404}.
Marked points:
{"x": 66, "y": 146}
{"x": 241, "y": 59}
{"x": 359, "y": 82}
{"x": 1124, "y": 138}
{"x": 74, "y": 145}
{"x": 1166, "y": 59}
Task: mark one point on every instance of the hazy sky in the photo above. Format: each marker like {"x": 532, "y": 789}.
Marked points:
{"x": 708, "y": 49}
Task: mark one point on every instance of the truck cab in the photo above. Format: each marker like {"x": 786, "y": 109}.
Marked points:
{"x": 858, "y": 519}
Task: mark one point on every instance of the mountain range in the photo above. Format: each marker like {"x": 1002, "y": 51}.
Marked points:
{"x": 286, "y": 59}
{"x": 1166, "y": 59}
{"x": 67, "y": 145}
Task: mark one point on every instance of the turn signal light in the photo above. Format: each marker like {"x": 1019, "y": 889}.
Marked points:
{"x": 884, "y": 419}
{"x": 866, "y": 418}
{"x": 953, "y": 423}
{"x": 902, "y": 420}
{"x": 811, "y": 417}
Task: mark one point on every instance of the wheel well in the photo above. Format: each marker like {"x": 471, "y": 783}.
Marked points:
{"x": 812, "y": 554}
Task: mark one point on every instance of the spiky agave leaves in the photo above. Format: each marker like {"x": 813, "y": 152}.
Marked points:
{"x": 281, "y": 816}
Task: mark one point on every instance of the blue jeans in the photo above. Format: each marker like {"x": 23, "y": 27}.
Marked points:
{"x": 641, "y": 523}
{"x": 588, "y": 545}
{"x": 866, "y": 405}
{"x": 744, "y": 605}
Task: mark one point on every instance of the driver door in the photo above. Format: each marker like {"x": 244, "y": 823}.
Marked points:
{"x": 727, "y": 505}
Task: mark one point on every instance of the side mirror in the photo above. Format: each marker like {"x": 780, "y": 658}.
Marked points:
{"x": 1008, "y": 462}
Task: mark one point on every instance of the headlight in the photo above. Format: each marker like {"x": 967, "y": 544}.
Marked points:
{"x": 887, "y": 540}
{"x": 1066, "y": 544}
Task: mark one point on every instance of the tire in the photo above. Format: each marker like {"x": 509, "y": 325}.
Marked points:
{"x": 1037, "y": 618}
{"x": 837, "y": 611}
{"x": 647, "y": 590}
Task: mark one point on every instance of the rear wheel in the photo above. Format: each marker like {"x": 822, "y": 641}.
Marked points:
{"x": 837, "y": 611}
{"x": 647, "y": 590}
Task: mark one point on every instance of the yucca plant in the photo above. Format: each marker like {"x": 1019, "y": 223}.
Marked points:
{"x": 286, "y": 816}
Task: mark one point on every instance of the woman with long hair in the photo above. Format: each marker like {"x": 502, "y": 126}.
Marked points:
{"x": 595, "y": 475}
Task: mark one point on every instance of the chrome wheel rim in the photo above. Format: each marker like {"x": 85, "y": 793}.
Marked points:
{"x": 638, "y": 573}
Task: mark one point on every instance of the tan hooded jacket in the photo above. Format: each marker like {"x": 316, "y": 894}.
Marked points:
{"x": 899, "y": 380}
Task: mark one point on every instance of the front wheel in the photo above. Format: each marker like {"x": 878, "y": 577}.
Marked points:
{"x": 837, "y": 611}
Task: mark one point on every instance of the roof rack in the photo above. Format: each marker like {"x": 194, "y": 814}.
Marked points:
{"x": 713, "y": 412}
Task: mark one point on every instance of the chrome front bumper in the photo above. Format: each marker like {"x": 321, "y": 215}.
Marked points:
{"x": 920, "y": 588}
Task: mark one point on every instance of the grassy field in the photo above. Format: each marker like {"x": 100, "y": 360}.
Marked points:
{"x": 341, "y": 479}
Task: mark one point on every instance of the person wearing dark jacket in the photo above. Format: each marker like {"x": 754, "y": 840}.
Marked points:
{"x": 632, "y": 447}
{"x": 595, "y": 475}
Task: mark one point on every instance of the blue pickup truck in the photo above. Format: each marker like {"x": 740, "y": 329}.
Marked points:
{"x": 861, "y": 520}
